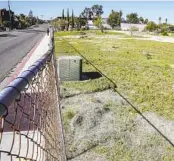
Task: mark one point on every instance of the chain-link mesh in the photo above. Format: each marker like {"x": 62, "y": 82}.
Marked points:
{"x": 31, "y": 128}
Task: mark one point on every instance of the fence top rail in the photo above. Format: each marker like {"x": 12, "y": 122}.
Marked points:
{"x": 13, "y": 90}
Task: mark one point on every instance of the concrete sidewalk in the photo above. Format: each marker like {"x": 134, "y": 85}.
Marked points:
{"x": 41, "y": 49}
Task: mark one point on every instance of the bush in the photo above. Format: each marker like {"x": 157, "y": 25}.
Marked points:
{"x": 61, "y": 24}
{"x": 151, "y": 26}
{"x": 171, "y": 28}
{"x": 6, "y": 23}
{"x": 133, "y": 28}
{"x": 164, "y": 33}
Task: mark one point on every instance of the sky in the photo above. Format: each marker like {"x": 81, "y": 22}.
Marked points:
{"x": 147, "y": 9}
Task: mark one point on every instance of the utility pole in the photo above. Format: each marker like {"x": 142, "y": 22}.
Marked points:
{"x": 9, "y": 14}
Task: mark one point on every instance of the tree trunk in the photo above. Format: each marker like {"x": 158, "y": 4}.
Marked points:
{"x": 102, "y": 29}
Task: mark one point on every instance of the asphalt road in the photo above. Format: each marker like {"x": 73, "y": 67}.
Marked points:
{"x": 15, "y": 45}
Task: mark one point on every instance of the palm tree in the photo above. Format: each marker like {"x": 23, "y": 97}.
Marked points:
{"x": 68, "y": 18}
{"x": 63, "y": 16}
{"x": 72, "y": 17}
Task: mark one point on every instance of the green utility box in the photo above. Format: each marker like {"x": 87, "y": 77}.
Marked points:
{"x": 70, "y": 68}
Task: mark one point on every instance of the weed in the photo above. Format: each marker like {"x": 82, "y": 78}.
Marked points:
{"x": 68, "y": 114}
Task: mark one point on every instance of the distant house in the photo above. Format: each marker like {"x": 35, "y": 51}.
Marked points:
{"x": 128, "y": 26}
{"x": 104, "y": 23}
{"x": 91, "y": 25}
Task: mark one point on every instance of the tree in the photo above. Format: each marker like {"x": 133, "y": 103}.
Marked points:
{"x": 151, "y": 26}
{"x": 98, "y": 23}
{"x": 63, "y": 16}
{"x": 114, "y": 18}
{"x": 62, "y": 24}
{"x": 159, "y": 19}
{"x": 22, "y": 21}
{"x": 132, "y": 18}
{"x": 16, "y": 21}
{"x": 141, "y": 20}
{"x": 97, "y": 10}
{"x": 72, "y": 19}
{"x": 6, "y": 24}
{"x": 34, "y": 20}
{"x": 80, "y": 21}
{"x": 120, "y": 17}
{"x": 31, "y": 20}
{"x": 90, "y": 13}
{"x": 67, "y": 19}
{"x": 146, "y": 21}
{"x": 87, "y": 13}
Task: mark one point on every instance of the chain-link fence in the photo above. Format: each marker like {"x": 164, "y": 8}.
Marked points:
{"x": 30, "y": 115}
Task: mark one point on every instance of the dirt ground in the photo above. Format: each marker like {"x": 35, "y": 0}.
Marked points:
{"x": 101, "y": 126}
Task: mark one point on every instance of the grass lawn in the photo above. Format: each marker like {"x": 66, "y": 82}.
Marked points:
{"x": 143, "y": 70}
